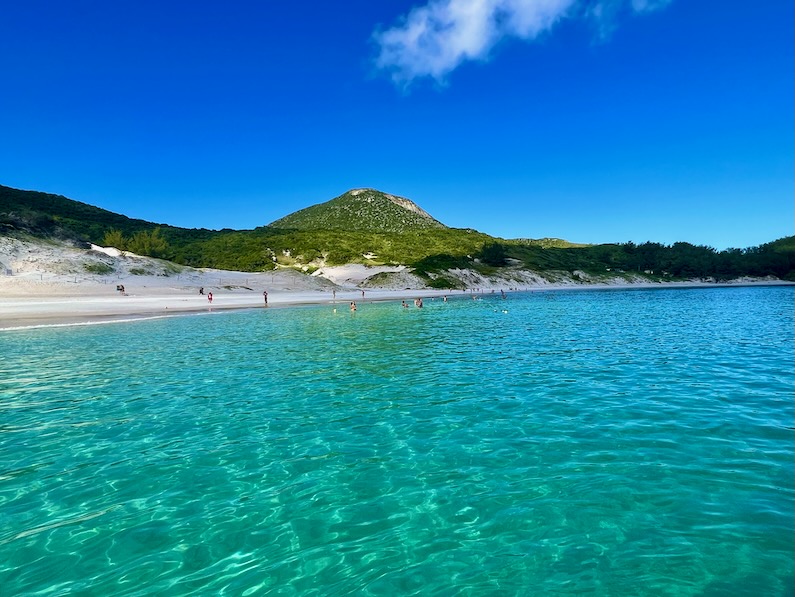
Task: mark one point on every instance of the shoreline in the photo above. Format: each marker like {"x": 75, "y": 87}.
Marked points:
{"x": 38, "y": 312}
{"x": 35, "y": 311}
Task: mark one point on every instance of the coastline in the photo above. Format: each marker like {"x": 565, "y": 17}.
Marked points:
{"x": 36, "y": 312}
{"x": 98, "y": 304}
{"x": 48, "y": 284}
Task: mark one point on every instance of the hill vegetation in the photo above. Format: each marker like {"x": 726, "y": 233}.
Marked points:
{"x": 370, "y": 227}
{"x": 361, "y": 210}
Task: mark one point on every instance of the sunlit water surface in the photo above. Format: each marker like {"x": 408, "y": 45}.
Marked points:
{"x": 554, "y": 443}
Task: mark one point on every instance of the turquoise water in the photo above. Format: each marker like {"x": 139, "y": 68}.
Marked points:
{"x": 555, "y": 443}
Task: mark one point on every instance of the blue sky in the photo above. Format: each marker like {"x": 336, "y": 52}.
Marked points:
{"x": 593, "y": 121}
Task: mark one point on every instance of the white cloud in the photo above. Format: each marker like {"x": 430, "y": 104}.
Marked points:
{"x": 434, "y": 39}
{"x": 649, "y": 5}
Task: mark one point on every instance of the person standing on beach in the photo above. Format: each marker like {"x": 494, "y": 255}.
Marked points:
{"x": 210, "y": 297}
{"x": 265, "y": 296}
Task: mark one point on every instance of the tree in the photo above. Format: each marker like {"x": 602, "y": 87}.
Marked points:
{"x": 114, "y": 238}
{"x": 493, "y": 254}
{"x": 150, "y": 243}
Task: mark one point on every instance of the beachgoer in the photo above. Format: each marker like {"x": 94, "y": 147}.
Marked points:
{"x": 445, "y": 298}
{"x": 265, "y": 296}
{"x": 362, "y": 293}
{"x": 418, "y": 303}
{"x": 405, "y": 306}
{"x": 201, "y": 290}
{"x": 334, "y": 295}
{"x": 210, "y": 297}
{"x": 353, "y": 305}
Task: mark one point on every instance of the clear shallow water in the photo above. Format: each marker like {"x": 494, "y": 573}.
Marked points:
{"x": 582, "y": 443}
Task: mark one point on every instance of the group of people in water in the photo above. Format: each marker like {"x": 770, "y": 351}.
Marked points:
{"x": 417, "y": 302}
{"x": 404, "y": 304}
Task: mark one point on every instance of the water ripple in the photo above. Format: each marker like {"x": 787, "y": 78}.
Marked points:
{"x": 606, "y": 443}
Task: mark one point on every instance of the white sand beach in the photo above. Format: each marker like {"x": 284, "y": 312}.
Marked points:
{"x": 53, "y": 284}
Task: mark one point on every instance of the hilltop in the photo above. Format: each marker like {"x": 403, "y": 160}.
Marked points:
{"x": 363, "y": 210}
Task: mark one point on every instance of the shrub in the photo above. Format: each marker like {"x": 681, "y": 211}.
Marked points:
{"x": 99, "y": 268}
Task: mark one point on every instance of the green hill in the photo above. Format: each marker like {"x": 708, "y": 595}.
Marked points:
{"x": 363, "y": 210}
{"x": 370, "y": 227}
{"x": 55, "y": 215}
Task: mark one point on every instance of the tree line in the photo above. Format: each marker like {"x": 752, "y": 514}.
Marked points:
{"x": 680, "y": 260}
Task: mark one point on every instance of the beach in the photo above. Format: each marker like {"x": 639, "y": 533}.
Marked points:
{"x": 51, "y": 284}
{"x": 26, "y": 303}
{"x": 37, "y": 310}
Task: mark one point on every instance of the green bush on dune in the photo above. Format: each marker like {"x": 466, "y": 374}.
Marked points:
{"x": 99, "y": 268}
